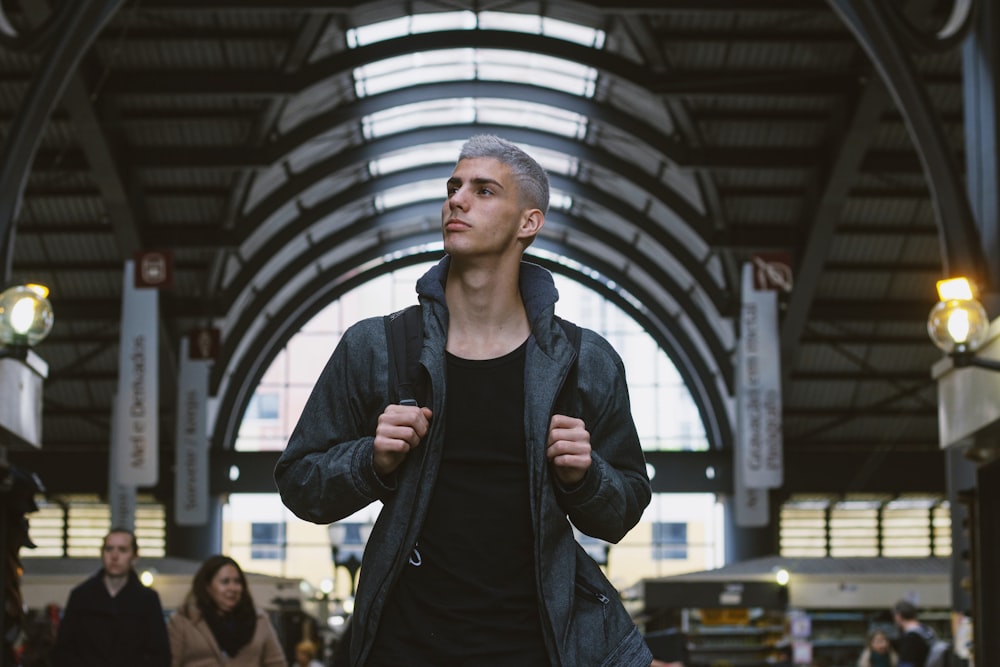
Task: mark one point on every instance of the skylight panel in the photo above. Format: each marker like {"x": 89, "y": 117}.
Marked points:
{"x": 560, "y": 201}
{"x": 554, "y": 162}
{"x": 463, "y": 111}
{"x": 423, "y": 23}
{"x": 542, "y": 25}
{"x": 414, "y": 69}
{"x": 475, "y": 64}
{"x": 539, "y": 117}
{"x": 531, "y": 24}
{"x": 440, "y": 153}
{"x": 432, "y": 113}
{"x": 410, "y": 194}
{"x": 537, "y": 69}
{"x": 409, "y": 25}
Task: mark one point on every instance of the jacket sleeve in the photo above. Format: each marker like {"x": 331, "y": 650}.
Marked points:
{"x": 610, "y": 500}
{"x": 326, "y": 471}
{"x": 157, "y": 643}
{"x": 175, "y": 633}
{"x": 271, "y": 654}
{"x": 64, "y": 652}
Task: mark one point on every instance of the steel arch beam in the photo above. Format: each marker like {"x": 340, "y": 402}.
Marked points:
{"x": 80, "y": 29}
{"x": 325, "y": 288}
{"x": 374, "y": 149}
{"x": 289, "y": 230}
{"x": 962, "y": 248}
{"x": 373, "y": 228}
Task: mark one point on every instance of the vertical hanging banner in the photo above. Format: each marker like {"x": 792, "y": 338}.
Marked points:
{"x": 121, "y": 497}
{"x": 191, "y": 463}
{"x": 138, "y": 366}
{"x": 752, "y": 508}
{"x": 758, "y": 382}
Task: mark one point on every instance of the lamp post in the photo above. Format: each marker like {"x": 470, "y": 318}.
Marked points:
{"x": 347, "y": 546}
{"x": 958, "y": 325}
{"x": 969, "y": 424}
{"x": 25, "y": 320}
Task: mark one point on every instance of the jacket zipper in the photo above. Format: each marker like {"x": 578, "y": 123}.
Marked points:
{"x": 405, "y": 547}
{"x": 589, "y": 592}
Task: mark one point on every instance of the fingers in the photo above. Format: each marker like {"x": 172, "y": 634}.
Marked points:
{"x": 568, "y": 448}
{"x": 400, "y": 428}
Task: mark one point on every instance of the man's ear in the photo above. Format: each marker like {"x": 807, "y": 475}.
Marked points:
{"x": 531, "y": 223}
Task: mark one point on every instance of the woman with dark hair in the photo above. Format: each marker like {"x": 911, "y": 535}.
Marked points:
{"x": 218, "y": 624}
{"x": 879, "y": 652}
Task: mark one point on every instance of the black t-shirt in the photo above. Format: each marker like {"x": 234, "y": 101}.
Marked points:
{"x": 468, "y": 595}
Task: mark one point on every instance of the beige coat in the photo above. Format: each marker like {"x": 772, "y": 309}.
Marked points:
{"x": 866, "y": 658}
{"x": 192, "y": 643}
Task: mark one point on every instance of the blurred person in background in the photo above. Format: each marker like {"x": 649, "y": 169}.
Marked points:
{"x": 305, "y": 654}
{"x": 111, "y": 619}
{"x": 218, "y": 624}
{"x": 879, "y": 652}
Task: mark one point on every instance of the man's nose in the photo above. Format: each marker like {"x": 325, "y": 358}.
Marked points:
{"x": 457, "y": 199}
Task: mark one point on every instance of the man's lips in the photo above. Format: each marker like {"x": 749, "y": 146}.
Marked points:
{"x": 455, "y": 223}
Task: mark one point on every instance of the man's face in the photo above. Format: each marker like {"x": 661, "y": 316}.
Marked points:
{"x": 117, "y": 554}
{"x": 482, "y": 214}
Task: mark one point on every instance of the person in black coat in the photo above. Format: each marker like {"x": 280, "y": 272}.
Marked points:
{"x": 111, "y": 619}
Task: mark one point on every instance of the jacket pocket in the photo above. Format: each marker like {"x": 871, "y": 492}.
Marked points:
{"x": 600, "y": 632}
{"x": 590, "y": 598}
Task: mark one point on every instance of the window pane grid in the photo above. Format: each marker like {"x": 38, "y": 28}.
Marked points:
{"x": 866, "y": 527}
{"x": 83, "y": 521}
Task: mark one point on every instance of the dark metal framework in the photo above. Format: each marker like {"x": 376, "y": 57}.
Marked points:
{"x": 718, "y": 129}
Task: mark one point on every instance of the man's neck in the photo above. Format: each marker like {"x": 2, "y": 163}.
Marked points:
{"x": 486, "y": 317}
{"x": 115, "y": 584}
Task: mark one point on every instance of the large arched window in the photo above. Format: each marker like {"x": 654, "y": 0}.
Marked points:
{"x": 665, "y": 415}
{"x": 677, "y": 533}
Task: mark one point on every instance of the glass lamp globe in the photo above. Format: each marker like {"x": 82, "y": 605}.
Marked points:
{"x": 958, "y": 325}
{"x": 25, "y": 315}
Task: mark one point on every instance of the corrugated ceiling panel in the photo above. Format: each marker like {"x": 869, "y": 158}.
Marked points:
{"x": 784, "y": 133}
{"x": 861, "y": 285}
{"x": 866, "y": 249}
{"x": 769, "y": 210}
{"x": 87, "y": 284}
{"x": 192, "y": 132}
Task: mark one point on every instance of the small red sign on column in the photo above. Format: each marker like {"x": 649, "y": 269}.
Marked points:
{"x": 772, "y": 271}
{"x": 204, "y": 343}
{"x": 154, "y": 268}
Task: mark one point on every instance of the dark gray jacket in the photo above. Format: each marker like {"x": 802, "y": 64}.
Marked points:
{"x": 326, "y": 474}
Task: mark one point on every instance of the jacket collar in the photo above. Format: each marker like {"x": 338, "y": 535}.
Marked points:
{"x": 538, "y": 290}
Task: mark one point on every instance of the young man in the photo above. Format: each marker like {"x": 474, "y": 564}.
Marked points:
{"x": 111, "y": 619}
{"x": 914, "y": 637}
{"x": 472, "y": 560}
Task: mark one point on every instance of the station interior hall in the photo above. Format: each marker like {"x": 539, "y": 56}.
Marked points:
{"x": 759, "y": 203}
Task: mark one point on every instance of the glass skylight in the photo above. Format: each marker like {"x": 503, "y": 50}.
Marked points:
{"x": 409, "y": 158}
{"x": 560, "y": 201}
{"x": 475, "y": 65}
{"x": 465, "y": 20}
{"x": 447, "y": 152}
{"x": 464, "y": 111}
{"x": 409, "y": 194}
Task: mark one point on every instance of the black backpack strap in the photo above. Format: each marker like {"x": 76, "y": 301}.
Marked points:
{"x": 404, "y": 336}
{"x": 565, "y": 401}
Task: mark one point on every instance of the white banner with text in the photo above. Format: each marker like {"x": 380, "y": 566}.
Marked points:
{"x": 122, "y": 500}
{"x": 138, "y": 384}
{"x": 191, "y": 463}
{"x": 758, "y": 387}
